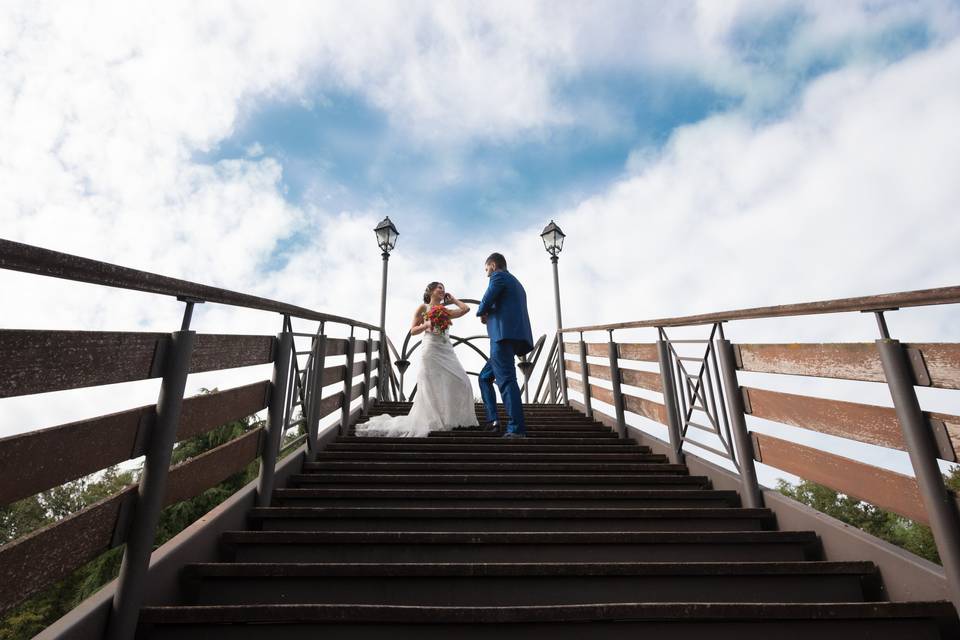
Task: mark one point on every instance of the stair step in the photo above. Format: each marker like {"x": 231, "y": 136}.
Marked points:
{"x": 677, "y": 621}
{"x": 313, "y": 497}
{"x": 535, "y": 546}
{"x": 525, "y": 480}
{"x": 530, "y": 434}
{"x": 509, "y": 519}
{"x": 529, "y": 584}
{"x": 525, "y": 445}
{"x": 502, "y": 467}
{"x": 504, "y": 456}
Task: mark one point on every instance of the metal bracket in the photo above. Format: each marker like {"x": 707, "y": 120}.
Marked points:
{"x": 942, "y": 438}
{"x": 189, "y": 299}
{"x": 144, "y": 428}
{"x": 124, "y": 517}
{"x": 755, "y": 445}
{"x": 921, "y": 375}
{"x": 737, "y": 357}
{"x": 745, "y": 395}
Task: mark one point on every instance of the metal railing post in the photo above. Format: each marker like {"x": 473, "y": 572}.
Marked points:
{"x": 316, "y": 391}
{"x": 616, "y": 382}
{"x": 367, "y": 372}
{"x": 276, "y": 418}
{"x": 941, "y": 509}
{"x": 347, "y": 384}
{"x": 585, "y": 375}
{"x": 749, "y": 485}
{"x": 670, "y": 400}
{"x": 562, "y": 370}
{"x": 552, "y": 382}
{"x": 125, "y": 609}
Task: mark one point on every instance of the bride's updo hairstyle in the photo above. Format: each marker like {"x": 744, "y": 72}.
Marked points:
{"x": 429, "y": 291}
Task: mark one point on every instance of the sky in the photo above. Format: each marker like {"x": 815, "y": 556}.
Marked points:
{"x": 699, "y": 156}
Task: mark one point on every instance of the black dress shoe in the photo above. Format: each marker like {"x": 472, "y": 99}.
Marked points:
{"x": 490, "y": 426}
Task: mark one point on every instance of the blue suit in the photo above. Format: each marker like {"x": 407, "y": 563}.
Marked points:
{"x": 508, "y": 325}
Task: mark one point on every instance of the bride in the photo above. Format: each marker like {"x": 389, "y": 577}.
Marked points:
{"x": 444, "y": 397}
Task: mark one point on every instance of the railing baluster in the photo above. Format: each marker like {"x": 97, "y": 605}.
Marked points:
{"x": 614, "y": 352}
{"x": 316, "y": 393}
{"x": 366, "y": 374}
{"x": 940, "y": 506}
{"x": 585, "y": 375}
{"x": 348, "y": 384}
{"x": 153, "y": 482}
{"x": 273, "y": 433}
{"x": 669, "y": 399}
{"x": 749, "y": 486}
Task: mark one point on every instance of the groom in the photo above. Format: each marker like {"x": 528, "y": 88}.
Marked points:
{"x": 504, "y": 311}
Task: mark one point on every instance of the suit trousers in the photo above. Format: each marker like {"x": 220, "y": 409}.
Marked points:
{"x": 501, "y": 368}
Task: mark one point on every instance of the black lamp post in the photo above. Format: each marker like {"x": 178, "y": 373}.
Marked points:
{"x": 552, "y": 238}
{"x": 387, "y": 235}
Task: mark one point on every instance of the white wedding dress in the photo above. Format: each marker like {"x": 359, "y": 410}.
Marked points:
{"x": 444, "y": 397}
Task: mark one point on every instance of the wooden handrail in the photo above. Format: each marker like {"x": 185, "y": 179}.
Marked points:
{"x": 16, "y": 256}
{"x": 919, "y": 298}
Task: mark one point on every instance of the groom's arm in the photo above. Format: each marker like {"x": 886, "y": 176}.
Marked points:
{"x": 494, "y": 291}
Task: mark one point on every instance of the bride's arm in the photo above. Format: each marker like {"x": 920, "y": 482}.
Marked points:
{"x": 419, "y": 324}
{"x": 461, "y": 309}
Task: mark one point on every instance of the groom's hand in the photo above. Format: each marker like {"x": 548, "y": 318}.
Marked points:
{"x": 483, "y": 319}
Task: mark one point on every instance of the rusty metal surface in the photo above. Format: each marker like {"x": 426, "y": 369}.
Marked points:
{"x": 196, "y": 475}
{"x": 330, "y": 404}
{"x": 644, "y": 352}
{"x": 646, "y": 408}
{"x": 643, "y": 379}
{"x": 205, "y": 412}
{"x": 919, "y": 298}
{"x": 879, "y": 487}
{"x": 35, "y": 561}
{"x": 42, "y": 361}
{"x": 213, "y": 352}
{"x": 602, "y": 394}
{"x": 49, "y": 457}
{"x": 337, "y": 346}
{"x": 29, "y": 259}
{"x": 861, "y": 422}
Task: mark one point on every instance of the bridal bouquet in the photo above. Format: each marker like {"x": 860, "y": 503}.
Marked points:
{"x": 439, "y": 319}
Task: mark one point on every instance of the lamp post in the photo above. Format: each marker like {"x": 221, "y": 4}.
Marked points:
{"x": 387, "y": 235}
{"x": 553, "y": 242}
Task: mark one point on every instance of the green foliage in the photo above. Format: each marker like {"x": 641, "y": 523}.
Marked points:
{"x": 886, "y": 525}
{"x": 25, "y": 516}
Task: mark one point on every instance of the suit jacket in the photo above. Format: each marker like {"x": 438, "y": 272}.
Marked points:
{"x": 505, "y": 303}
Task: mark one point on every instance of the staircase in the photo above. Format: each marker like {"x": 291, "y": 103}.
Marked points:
{"x": 569, "y": 533}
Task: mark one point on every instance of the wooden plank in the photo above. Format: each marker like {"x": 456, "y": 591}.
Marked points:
{"x": 208, "y": 411}
{"x": 900, "y": 300}
{"x": 196, "y": 475}
{"x": 356, "y": 391}
{"x": 215, "y": 352}
{"x": 599, "y": 371}
{"x": 643, "y": 379}
{"x": 861, "y": 422}
{"x": 849, "y": 361}
{"x": 646, "y": 408}
{"x": 358, "y": 367}
{"x": 332, "y": 375}
{"x": 572, "y": 347}
{"x": 943, "y": 363}
{"x": 337, "y": 346}
{"x": 39, "y": 559}
{"x": 50, "y": 457}
{"x": 330, "y": 404}
{"x": 573, "y": 365}
{"x": 879, "y": 487}
{"x": 602, "y": 394}
{"x": 644, "y": 352}
{"x": 44, "y": 361}
{"x": 576, "y": 385}
{"x": 598, "y": 349}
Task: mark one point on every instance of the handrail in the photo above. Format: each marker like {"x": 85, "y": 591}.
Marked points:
{"x": 16, "y": 256}
{"x": 883, "y": 302}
